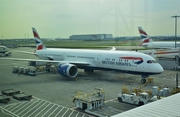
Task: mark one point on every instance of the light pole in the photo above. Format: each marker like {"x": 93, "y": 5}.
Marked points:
{"x": 28, "y": 40}
{"x": 175, "y": 27}
{"x": 25, "y": 40}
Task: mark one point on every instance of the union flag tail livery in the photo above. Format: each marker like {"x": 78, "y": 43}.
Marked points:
{"x": 144, "y": 36}
{"x": 39, "y": 43}
{"x": 142, "y": 33}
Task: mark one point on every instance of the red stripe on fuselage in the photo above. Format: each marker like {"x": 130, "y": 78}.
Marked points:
{"x": 131, "y": 58}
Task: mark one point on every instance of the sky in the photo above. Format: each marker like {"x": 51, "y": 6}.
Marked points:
{"x": 63, "y": 18}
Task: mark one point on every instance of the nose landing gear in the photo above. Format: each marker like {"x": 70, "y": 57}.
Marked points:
{"x": 143, "y": 80}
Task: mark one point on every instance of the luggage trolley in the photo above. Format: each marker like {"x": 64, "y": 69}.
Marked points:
{"x": 9, "y": 92}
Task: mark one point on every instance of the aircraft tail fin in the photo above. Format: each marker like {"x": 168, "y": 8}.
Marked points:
{"x": 39, "y": 43}
{"x": 144, "y": 36}
{"x": 142, "y": 33}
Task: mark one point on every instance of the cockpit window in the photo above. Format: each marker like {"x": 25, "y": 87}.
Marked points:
{"x": 151, "y": 61}
{"x": 154, "y": 61}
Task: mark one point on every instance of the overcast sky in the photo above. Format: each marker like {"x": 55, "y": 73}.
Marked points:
{"x": 63, "y": 18}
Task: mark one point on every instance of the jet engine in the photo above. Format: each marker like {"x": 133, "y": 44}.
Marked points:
{"x": 68, "y": 70}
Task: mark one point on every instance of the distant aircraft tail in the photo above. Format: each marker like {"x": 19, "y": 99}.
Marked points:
{"x": 144, "y": 36}
{"x": 142, "y": 33}
{"x": 39, "y": 43}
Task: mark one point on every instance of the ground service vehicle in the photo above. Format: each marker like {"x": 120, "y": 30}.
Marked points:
{"x": 132, "y": 98}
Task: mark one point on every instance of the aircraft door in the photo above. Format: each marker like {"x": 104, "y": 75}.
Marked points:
{"x": 99, "y": 60}
{"x": 62, "y": 56}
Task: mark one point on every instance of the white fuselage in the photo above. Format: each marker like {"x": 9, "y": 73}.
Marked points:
{"x": 126, "y": 61}
{"x": 161, "y": 45}
{"x": 162, "y": 53}
{"x": 3, "y": 49}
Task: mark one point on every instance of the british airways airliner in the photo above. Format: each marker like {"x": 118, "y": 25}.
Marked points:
{"x": 147, "y": 41}
{"x": 69, "y": 60}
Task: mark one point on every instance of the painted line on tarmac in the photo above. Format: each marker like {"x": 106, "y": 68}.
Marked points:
{"x": 65, "y": 112}
{"x": 54, "y": 110}
{"x": 165, "y": 77}
{"x": 59, "y": 111}
{"x": 9, "y": 112}
{"x": 114, "y": 101}
{"x": 110, "y": 100}
{"x": 170, "y": 78}
{"x": 71, "y": 113}
{"x": 20, "y": 105}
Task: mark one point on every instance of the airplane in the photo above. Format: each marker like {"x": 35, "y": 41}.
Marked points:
{"x": 68, "y": 61}
{"x": 147, "y": 42}
{"x": 163, "y": 49}
{"x": 4, "y": 51}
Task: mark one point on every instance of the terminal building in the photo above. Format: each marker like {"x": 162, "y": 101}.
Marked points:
{"x": 92, "y": 37}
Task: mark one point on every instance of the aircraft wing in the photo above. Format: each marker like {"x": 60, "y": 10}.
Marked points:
{"x": 25, "y": 52}
{"x": 48, "y": 61}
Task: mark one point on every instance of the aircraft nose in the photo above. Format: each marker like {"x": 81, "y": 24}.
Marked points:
{"x": 159, "y": 69}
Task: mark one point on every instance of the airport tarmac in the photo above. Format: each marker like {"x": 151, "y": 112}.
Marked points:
{"x": 55, "y": 92}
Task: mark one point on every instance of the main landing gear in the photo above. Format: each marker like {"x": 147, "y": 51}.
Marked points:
{"x": 143, "y": 80}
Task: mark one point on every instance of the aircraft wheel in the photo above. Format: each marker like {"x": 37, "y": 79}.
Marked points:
{"x": 119, "y": 99}
{"x": 10, "y": 54}
{"x": 141, "y": 103}
{"x": 143, "y": 81}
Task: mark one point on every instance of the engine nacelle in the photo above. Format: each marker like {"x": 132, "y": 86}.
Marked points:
{"x": 68, "y": 70}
